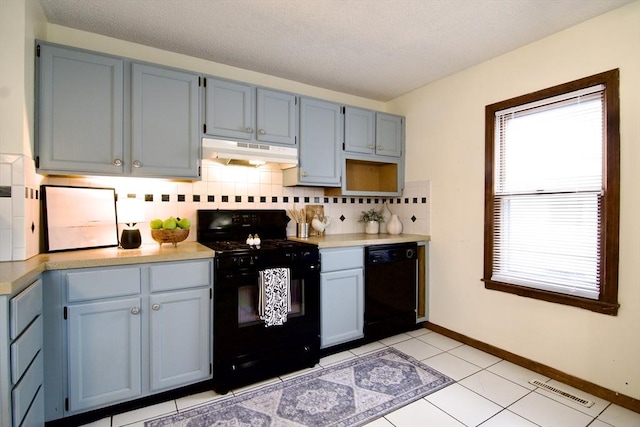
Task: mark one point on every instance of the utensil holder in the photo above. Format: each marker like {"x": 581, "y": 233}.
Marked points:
{"x": 302, "y": 230}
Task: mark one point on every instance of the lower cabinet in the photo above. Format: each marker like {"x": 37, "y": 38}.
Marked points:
{"x": 126, "y": 332}
{"x": 21, "y": 358}
{"x": 341, "y": 295}
{"x": 104, "y": 353}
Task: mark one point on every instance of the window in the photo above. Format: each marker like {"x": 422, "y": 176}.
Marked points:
{"x": 552, "y": 190}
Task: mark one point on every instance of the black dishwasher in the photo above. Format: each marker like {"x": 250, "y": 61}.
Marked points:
{"x": 390, "y": 289}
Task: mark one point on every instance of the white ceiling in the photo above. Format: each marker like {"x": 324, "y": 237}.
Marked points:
{"x": 378, "y": 49}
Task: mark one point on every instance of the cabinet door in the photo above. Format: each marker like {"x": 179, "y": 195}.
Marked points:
{"x": 80, "y": 112}
{"x": 229, "y": 109}
{"x": 320, "y": 139}
{"x": 104, "y": 351}
{"x": 389, "y": 135}
{"x": 180, "y": 338}
{"x": 359, "y": 130}
{"x": 165, "y": 138}
{"x": 342, "y": 307}
{"x": 276, "y": 117}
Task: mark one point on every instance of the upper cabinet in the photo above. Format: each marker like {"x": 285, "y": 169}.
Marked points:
{"x": 243, "y": 112}
{"x": 164, "y": 128}
{"x": 104, "y": 115}
{"x": 320, "y": 140}
{"x": 370, "y": 132}
{"x": 80, "y": 111}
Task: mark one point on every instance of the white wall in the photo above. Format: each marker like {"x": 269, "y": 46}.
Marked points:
{"x": 445, "y": 145}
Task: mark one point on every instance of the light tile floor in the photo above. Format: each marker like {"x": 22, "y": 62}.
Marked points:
{"x": 489, "y": 392}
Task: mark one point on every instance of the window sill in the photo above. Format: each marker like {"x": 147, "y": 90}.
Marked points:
{"x": 604, "y": 307}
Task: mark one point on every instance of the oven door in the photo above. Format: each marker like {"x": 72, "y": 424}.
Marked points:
{"x": 245, "y": 350}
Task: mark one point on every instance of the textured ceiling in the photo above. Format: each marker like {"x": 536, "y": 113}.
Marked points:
{"x": 378, "y": 49}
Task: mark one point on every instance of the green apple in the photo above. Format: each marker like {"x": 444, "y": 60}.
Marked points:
{"x": 184, "y": 223}
{"x": 170, "y": 224}
{"x": 156, "y": 224}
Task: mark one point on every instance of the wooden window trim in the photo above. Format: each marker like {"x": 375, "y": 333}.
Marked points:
{"x": 608, "y": 300}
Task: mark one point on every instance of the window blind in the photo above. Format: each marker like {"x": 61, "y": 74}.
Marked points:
{"x": 548, "y": 190}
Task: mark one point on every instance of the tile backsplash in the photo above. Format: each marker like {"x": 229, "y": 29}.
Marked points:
{"x": 221, "y": 187}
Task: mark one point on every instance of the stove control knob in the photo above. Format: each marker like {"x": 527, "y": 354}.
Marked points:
{"x": 256, "y": 240}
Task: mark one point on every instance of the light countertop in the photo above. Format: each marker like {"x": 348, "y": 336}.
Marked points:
{"x": 16, "y": 275}
{"x": 361, "y": 239}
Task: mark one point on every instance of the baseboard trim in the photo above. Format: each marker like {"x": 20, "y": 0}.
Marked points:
{"x": 586, "y": 386}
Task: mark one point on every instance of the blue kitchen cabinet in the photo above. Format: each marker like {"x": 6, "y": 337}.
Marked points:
{"x": 106, "y": 115}
{"x": 104, "y": 353}
{"x": 80, "y": 112}
{"x": 375, "y": 133}
{"x": 359, "y": 130}
{"x": 341, "y": 295}
{"x": 276, "y": 117}
{"x": 21, "y": 358}
{"x": 150, "y": 324}
{"x": 389, "y": 135}
{"x": 180, "y": 324}
{"x": 165, "y": 141}
{"x": 240, "y": 111}
{"x": 321, "y": 129}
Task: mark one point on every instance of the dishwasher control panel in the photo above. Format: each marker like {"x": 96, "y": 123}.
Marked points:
{"x": 383, "y": 254}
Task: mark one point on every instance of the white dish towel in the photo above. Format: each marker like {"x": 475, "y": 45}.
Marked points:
{"x": 274, "y": 300}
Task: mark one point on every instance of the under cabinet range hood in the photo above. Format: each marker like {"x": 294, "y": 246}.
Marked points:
{"x": 247, "y": 153}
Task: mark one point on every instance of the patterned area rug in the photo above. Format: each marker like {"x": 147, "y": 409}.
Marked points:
{"x": 350, "y": 393}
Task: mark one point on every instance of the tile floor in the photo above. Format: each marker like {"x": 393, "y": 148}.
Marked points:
{"x": 488, "y": 392}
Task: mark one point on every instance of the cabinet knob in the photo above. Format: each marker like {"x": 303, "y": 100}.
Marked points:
{"x": 262, "y": 132}
{"x": 248, "y": 130}
{"x": 303, "y": 173}
{"x": 380, "y": 147}
{"x": 118, "y": 162}
{"x": 137, "y": 164}
{"x": 155, "y": 307}
{"x": 370, "y": 146}
{"x": 135, "y": 310}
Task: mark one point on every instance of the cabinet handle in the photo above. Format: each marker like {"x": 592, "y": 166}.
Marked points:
{"x": 380, "y": 148}
{"x": 155, "y": 307}
{"x": 118, "y": 162}
{"x": 137, "y": 164}
{"x": 135, "y": 310}
{"x": 262, "y": 132}
{"x": 248, "y": 130}
{"x": 371, "y": 146}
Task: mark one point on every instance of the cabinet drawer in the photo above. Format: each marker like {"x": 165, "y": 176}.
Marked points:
{"x": 341, "y": 258}
{"x": 35, "y": 416}
{"x": 182, "y": 275}
{"x": 107, "y": 283}
{"x": 25, "y": 307}
{"x": 25, "y": 348}
{"x": 24, "y": 393}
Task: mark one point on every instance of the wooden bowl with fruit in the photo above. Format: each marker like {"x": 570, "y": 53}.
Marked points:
{"x": 171, "y": 230}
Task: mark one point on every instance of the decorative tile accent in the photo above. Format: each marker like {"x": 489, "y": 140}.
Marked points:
{"x": 306, "y": 199}
{"x": 250, "y": 199}
{"x": 181, "y": 198}
{"x": 413, "y": 218}
{"x": 316, "y": 200}
{"x": 165, "y": 197}
{"x": 274, "y": 199}
{"x": 415, "y": 200}
{"x": 285, "y": 199}
{"x": 238, "y": 199}
{"x": 211, "y": 198}
{"x": 424, "y": 200}
{"x": 342, "y": 218}
{"x": 263, "y": 199}
{"x": 196, "y": 198}
{"x": 148, "y": 197}
{"x": 296, "y": 199}
{"x": 225, "y": 199}
{"x": 5, "y": 191}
